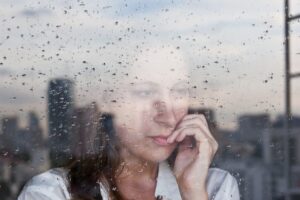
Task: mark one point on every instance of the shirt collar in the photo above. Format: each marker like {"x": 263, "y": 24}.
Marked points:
{"x": 166, "y": 185}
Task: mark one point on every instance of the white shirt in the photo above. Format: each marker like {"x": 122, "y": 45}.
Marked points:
{"x": 53, "y": 184}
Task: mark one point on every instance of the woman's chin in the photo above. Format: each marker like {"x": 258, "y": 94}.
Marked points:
{"x": 159, "y": 155}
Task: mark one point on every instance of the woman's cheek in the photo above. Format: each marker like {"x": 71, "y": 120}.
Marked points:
{"x": 135, "y": 125}
{"x": 180, "y": 113}
{"x": 146, "y": 121}
{"x": 122, "y": 132}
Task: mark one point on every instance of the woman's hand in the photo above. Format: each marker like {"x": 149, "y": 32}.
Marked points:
{"x": 196, "y": 150}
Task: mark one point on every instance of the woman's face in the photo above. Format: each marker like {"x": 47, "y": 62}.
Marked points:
{"x": 150, "y": 102}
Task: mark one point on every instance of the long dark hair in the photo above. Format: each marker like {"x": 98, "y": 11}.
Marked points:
{"x": 87, "y": 170}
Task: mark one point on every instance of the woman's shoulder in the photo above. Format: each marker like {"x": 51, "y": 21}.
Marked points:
{"x": 220, "y": 184}
{"x": 49, "y": 185}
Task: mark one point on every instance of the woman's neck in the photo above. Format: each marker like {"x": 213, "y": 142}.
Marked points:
{"x": 132, "y": 166}
{"x": 136, "y": 178}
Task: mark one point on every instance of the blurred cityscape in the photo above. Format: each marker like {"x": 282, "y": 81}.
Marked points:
{"x": 253, "y": 152}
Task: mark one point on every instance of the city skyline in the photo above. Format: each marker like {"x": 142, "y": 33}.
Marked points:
{"x": 28, "y": 152}
{"x": 58, "y": 58}
{"x": 243, "y": 73}
{"x": 276, "y": 120}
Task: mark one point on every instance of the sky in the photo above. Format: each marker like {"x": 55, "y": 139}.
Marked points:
{"x": 236, "y": 45}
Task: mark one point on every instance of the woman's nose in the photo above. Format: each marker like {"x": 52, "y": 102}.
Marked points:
{"x": 165, "y": 114}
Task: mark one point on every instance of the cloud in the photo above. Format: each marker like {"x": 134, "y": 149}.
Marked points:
{"x": 16, "y": 96}
{"x": 6, "y": 72}
{"x": 36, "y": 12}
{"x": 77, "y": 32}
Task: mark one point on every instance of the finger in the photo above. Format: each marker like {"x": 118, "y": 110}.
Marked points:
{"x": 196, "y": 122}
{"x": 196, "y": 133}
{"x": 174, "y": 135}
{"x": 197, "y": 119}
{"x": 187, "y": 132}
{"x": 195, "y": 116}
{"x": 203, "y": 128}
{"x": 204, "y": 157}
{"x": 187, "y": 143}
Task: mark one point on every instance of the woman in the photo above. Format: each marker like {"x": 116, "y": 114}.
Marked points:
{"x": 150, "y": 124}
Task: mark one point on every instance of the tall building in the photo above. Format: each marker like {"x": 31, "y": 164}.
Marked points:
{"x": 84, "y": 130}
{"x": 251, "y": 126}
{"x": 60, "y": 109}
{"x": 10, "y": 126}
{"x": 36, "y": 132}
{"x": 253, "y": 178}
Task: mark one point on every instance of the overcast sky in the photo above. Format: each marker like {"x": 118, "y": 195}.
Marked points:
{"x": 240, "y": 43}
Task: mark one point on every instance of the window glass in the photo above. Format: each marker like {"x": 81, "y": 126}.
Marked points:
{"x": 65, "y": 66}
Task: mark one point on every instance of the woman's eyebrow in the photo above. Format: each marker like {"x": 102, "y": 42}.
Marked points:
{"x": 146, "y": 83}
{"x": 185, "y": 83}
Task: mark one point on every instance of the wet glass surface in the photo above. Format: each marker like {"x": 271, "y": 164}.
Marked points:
{"x": 67, "y": 65}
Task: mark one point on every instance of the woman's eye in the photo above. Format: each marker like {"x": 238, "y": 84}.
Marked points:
{"x": 182, "y": 92}
{"x": 143, "y": 93}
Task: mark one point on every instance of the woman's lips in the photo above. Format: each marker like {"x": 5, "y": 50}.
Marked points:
{"x": 162, "y": 141}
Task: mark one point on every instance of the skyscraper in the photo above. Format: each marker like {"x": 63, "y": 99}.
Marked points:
{"x": 84, "y": 131}
{"x": 9, "y": 127}
{"x": 60, "y": 109}
{"x": 36, "y": 135}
